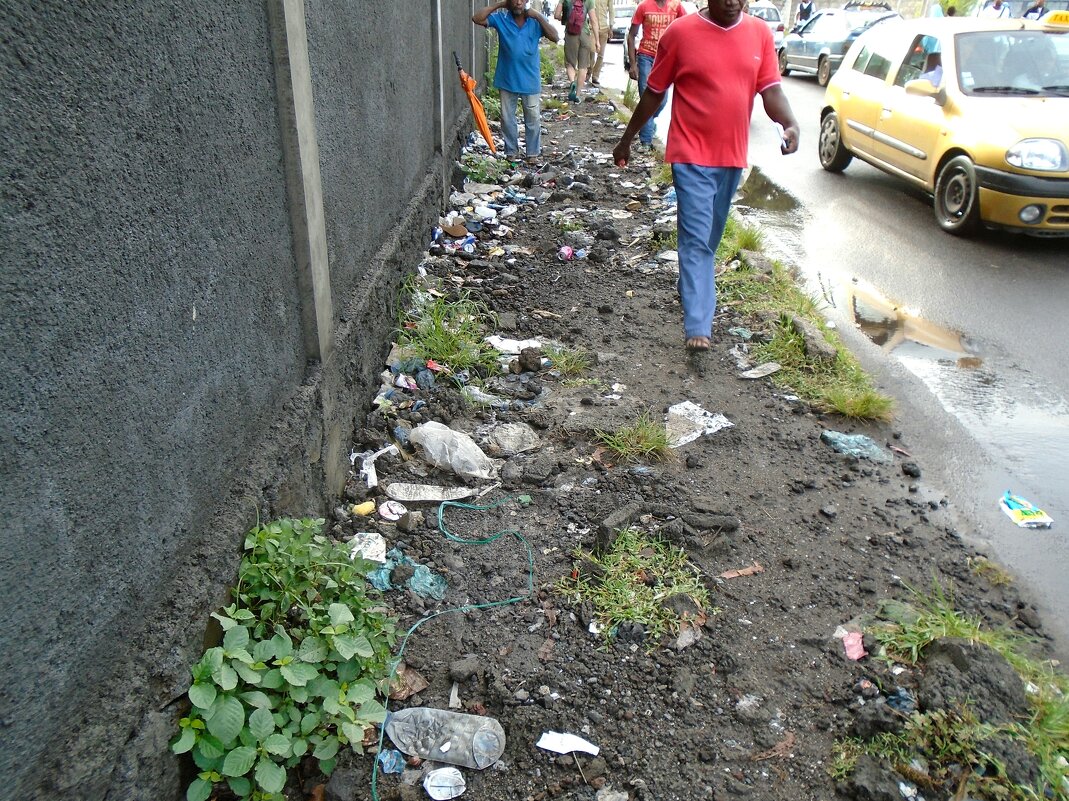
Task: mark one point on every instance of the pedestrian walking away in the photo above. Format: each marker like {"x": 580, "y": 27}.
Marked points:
{"x": 518, "y": 76}
{"x": 582, "y": 40}
{"x": 716, "y": 61}
{"x": 654, "y": 17}
{"x": 605, "y": 18}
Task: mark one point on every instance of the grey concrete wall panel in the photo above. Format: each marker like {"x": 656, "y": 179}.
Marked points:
{"x": 156, "y": 390}
{"x": 375, "y": 122}
{"x": 459, "y": 34}
{"x": 149, "y": 328}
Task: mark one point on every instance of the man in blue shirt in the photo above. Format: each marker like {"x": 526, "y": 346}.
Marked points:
{"x": 518, "y": 76}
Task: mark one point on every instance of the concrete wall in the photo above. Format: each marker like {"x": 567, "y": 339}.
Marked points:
{"x": 200, "y": 268}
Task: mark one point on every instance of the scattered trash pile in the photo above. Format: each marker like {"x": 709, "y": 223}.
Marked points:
{"x": 568, "y": 668}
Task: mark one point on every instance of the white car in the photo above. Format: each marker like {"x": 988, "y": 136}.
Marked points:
{"x": 764, "y": 10}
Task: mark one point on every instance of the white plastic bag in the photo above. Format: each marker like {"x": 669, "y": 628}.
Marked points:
{"x": 443, "y": 447}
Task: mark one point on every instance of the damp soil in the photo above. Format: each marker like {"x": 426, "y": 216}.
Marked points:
{"x": 753, "y": 708}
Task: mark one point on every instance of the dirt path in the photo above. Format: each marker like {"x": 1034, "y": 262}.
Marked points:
{"x": 752, "y": 708}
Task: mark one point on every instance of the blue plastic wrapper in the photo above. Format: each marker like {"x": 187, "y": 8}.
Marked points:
{"x": 391, "y": 761}
{"x": 902, "y": 701}
{"x": 424, "y": 582}
{"x": 856, "y": 445}
{"x": 424, "y": 379}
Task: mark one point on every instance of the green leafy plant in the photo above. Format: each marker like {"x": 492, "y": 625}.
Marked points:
{"x": 630, "y": 99}
{"x": 449, "y": 330}
{"x": 643, "y": 439}
{"x": 484, "y": 169}
{"x": 633, "y": 582}
{"x": 304, "y": 656}
{"x": 662, "y": 174}
{"x": 666, "y": 241}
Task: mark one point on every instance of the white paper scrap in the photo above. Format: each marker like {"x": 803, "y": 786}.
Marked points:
{"x": 564, "y": 743}
{"x": 687, "y": 421}
{"x": 512, "y": 346}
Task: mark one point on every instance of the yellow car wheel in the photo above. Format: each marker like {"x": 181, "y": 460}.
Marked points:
{"x": 834, "y": 157}
{"x": 957, "y": 202}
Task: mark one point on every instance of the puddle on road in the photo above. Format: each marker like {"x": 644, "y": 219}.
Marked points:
{"x": 1023, "y": 426}
{"x": 760, "y": 193}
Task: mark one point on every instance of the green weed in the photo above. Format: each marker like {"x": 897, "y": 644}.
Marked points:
{"x": 484, "y": 169}
{"x": 569, "y": 362}
{"x": 634, "y": 580}
{"x": 995, "y": 575}
{"x": 958, "y": 737}
{"x": 644, "y": 439}
{"x": 630, "y": 99}
{"x": 666, "y": 241}
{"x": 553, "y": 104}
{"x": 662, "y": 174}
{"x": 304, "y": 655}
{"x": 450, "y": 331}
{"x": 840, "y": 385}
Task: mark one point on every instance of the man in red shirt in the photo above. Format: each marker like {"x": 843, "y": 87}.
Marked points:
{"x": 717, "y": 60}
{"x": 654, "y": 16}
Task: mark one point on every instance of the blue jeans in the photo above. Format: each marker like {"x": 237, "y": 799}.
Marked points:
{"x": 703, "y": 198}
{"x": 645, "y": 66}
{"x": 532, "y": 122}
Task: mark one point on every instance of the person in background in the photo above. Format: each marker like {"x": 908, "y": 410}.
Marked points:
{"x": 518, "y": 75}
{"x": 997, "y": 10}
{"x": 1036, "y": 11}
{"x": 952, "y": 11}
{"x": 654, "y": 16}
{"x": 716, "y": 62}
{"x": 581, "y": 41}
{"x": 933, "y": 69}
{"x": 936, "y": 10}
{"x": 604, "y": 9}
{"x": 805, "y": 11}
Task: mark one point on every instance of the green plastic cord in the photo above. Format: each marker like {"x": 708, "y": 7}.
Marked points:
{"x": 466, "y": 608}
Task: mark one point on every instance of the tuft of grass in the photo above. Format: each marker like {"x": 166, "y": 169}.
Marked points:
{"x": 645, "y": 439}
{"x": 666, "y": 241}
{"x": 552, "y": 60}
{"x": 621, "y": 117}
{"x": 995, "y": 575}
{"x": 957, "y": 736}
{"x": 630, "y": 99}
{"x": 450, "y": 331}
{"x": 662, "y": 174}
{"x": 553, "y": 104}
{"x": 631, "y": 583}
{"x": 570, "y": 224}
{"x": 596, "y": 383}
{"x": 569, "y": 362}
{"x": 839, "y": 386}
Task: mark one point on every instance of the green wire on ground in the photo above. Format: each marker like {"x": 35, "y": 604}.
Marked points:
{"x": 466, "y": 608}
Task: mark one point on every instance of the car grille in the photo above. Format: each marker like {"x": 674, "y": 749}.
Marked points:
{"x": 1058, "y": 215}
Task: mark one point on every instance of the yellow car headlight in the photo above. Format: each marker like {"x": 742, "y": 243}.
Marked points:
{"x": 1039, "y": 154}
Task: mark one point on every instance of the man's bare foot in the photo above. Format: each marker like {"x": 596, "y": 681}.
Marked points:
{"x": 697, "y": 343}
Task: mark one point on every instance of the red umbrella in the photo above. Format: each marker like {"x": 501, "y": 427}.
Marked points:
{"x": 468, "y": 83}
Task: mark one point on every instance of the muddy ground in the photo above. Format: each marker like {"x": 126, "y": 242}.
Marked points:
{"x": 753, "y": 708}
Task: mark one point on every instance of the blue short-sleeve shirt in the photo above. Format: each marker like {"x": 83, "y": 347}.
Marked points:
{"x": 517, "y": 55}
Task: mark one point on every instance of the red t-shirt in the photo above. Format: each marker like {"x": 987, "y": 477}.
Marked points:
{"x": 654, "y": 19}
{"x": 716, "y": 73}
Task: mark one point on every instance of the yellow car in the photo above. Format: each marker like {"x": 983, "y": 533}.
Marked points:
{"x": 975, "y": 111}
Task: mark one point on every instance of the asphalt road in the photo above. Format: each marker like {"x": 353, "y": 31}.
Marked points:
{"x": 969, "y": 336}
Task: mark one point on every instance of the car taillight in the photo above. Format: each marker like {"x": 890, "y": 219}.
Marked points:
{"x": 779, "y": 28}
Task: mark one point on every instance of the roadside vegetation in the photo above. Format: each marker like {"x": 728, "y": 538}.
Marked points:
{"x": 449, "y": 330}
{"x": 634, "y": 582}
{"x": 955, "y": 744}
{"x": 569, "y": 362}
{"x": 302, "y": 664}
{"x": 838, "y": 385}
{"x": 644, "y": 440}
